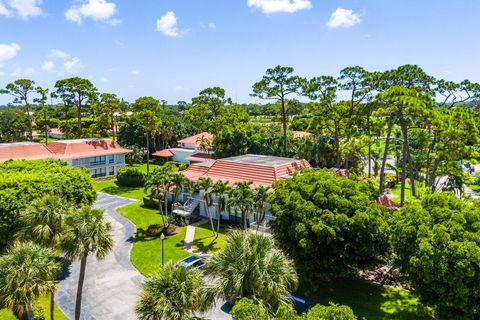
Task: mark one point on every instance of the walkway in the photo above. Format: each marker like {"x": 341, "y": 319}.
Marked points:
{"x": 190, "y": 237}
{"x": 111, "y": 285}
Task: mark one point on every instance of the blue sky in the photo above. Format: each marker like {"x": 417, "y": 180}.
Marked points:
{"x": 171, "y": 49}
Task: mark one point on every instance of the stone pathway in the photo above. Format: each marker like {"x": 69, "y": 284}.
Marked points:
{"x": 111, "y": 285}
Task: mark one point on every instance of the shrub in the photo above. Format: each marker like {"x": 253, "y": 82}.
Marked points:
{"x": 155, "y": 230}
{"x": 330, "y": 312}
{"x": 130, "y": 177}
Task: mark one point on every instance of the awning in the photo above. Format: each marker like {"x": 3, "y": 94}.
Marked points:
{"x": 165, "y": 153}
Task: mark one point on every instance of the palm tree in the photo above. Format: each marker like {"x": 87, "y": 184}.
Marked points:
{"x": 26, "y": 271}
{"x": 242, "y": 198}
{"x": 221, "y": 189}
{"x": 160, "y": 183}
{"x": 174, "y": 293}
{"x": 260, "y": 195}
{"x": 179, "y": 182}
{"x": 252, "y": 266}
{"x": 44, "y": 223}
{"x": 88, "y": 233}
{"x": 206, "y": 184}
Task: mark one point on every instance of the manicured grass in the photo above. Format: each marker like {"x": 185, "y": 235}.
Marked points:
{"x": 396, "y": 191}
{"x": 368, "y": 300}
{"x": 146, "y": 254}
{"x": 143, "y": 167}
{"x": 7, "y": 314}
{"x": 205, "y": 242}
{"x": 44, "y": 301}
{"x": 111, "y": 187}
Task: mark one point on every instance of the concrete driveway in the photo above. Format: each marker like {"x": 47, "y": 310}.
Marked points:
{"x": 111, "y": 285}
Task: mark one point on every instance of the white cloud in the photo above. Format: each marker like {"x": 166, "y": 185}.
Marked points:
{"x": 48, "y": 66}
{"x": 73, "y": 66}
{"x": 4, "y": 11}
{"x": 23, "y": 9}
{"x": 19, "y": 72}
{"x": 58, "y": 54}
{"x": 168, "y": 25}
{"x": 8, "y": 51}
{"x": 344, "y": 18}
{"x": 26, "y": 8}
{"x": 134, "y": 72}
{"x": 212, "y": 25}
{"x": 275, "y": 6}
{"x": 97, "y": 10}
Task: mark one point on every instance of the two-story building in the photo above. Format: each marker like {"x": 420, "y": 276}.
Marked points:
{"x": 102, "y": 157}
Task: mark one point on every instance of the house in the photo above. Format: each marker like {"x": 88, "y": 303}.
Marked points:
{"x": 259, "y": 169}
{"x": 102, "y": 157}
{"x": 193, "y": 149}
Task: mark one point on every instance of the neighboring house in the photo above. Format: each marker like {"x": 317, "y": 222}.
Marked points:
{"x": 193, "y": 149}
{"x": 56, "y": 133}
{"x": 259, "y": 169}
{"x": 102, "y": 157}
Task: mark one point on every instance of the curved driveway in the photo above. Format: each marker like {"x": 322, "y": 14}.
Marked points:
{"x": 111, "y": 285}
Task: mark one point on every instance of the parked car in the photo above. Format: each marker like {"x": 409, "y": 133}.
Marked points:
{"x": 192, "y": 262}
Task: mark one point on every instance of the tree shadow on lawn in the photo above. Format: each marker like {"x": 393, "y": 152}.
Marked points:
{"x": 367, "y": 299}
{"x": 208, "y": 248}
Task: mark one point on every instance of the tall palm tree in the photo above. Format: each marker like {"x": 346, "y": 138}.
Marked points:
{"x": 260, "y": 195}
{"x": 206, "y": 184}
{"x": 252, "y": 266}
{"x": 44, "y": 223}
{"x": 26, "y": 271}
{"x": 160, "y": 182}
{"x": 221, "y": 189}
{"x": 88, "y": 233}
{"x": 242, "y": 198}
{"x": 174, "y": 293}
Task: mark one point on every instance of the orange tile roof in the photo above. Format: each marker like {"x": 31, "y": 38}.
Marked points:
{"x": 200, "y": 157}
{"x": 23, "y": 150}
{"x": 302, "y": 134}
{"x": 165, "y": 153}
{"x": 82, "y": 148}
{"x": 261, "y": 170}
{"x": 195, "y": 139}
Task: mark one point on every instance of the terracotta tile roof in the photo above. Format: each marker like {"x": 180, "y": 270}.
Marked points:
{"x": 56, "y": 131}
{"x": 165, "y": 153}
{"x": 200, "y": 157}
{"x": 23, "y": 150}
{"x": 261, "y": 170}
{"x": 302, "y": 134}
{"x": 82, "y": 148}
{"x": 195, "y": 140}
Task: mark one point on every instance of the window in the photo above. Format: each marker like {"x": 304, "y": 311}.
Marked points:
{"x": 97, "y": 160}
{"x": 99, "y": 172}
{"x": 111, "y": 158}
{"x": 111, "y": 172}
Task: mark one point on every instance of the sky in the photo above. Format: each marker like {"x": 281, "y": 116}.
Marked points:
{"x": 172, "y": 49}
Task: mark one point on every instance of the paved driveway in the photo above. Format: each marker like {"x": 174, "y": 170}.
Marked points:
{"x": 111, "y": 285}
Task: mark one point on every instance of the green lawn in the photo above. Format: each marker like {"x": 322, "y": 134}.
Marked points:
{"x": 205, "y": 242}
{"x": 146, "y": 254}
{"x": 396, "y": 191}
{"x": 369, "y": 300}
{"x": 6, "y": 314}
{"x": 111, "y": 187}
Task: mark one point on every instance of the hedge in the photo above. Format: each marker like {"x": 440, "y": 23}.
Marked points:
{"x": 23, "y": 181}
{"x": 131, "y": 177}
